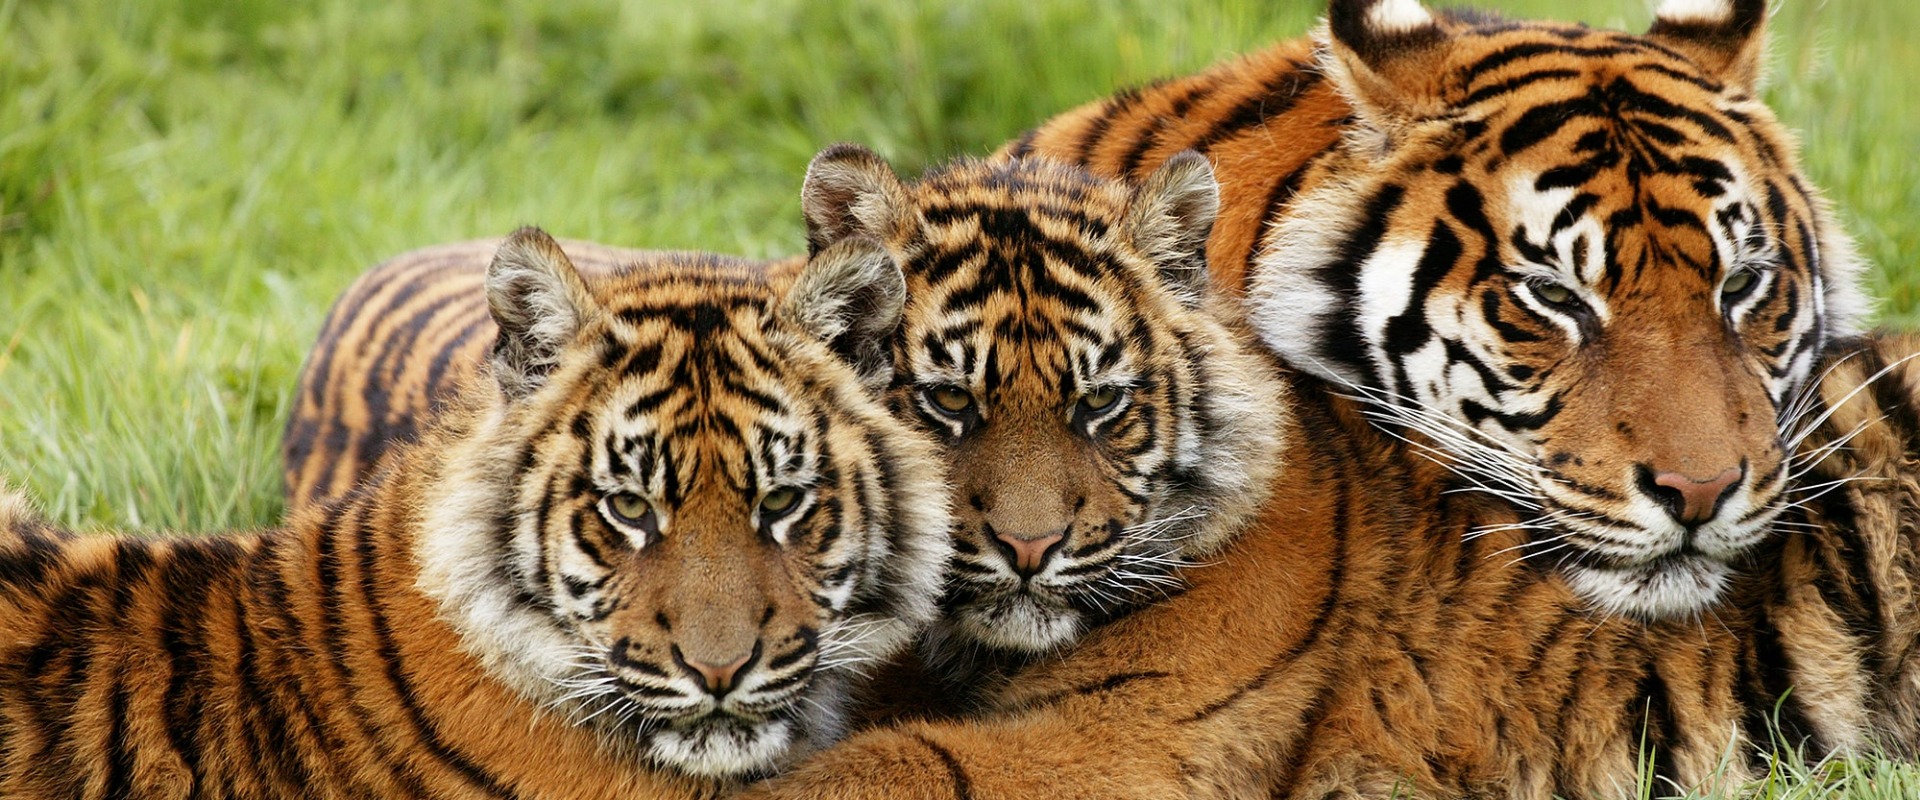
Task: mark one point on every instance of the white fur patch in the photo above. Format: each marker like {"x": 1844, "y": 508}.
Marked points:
{"x": 1695, "y": 11}
{"x": 724, "y": 751}
{"x": 460, "y": 570}
{"x": 1668, "y": 589}
{"x": 1398, "y": 16}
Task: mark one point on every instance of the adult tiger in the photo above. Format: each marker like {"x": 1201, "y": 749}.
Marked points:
{"x": 644, "y": 560}
{"x": 1090, "y": 463}
{"x": 1584, "y": 261}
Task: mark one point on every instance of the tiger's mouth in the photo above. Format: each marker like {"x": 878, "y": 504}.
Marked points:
{"x": 1627, "y": 553}
{"x": 1024, "y": 616}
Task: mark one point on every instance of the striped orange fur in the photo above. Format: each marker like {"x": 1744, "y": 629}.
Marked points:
{"x": 648, "y": 558}
{"x": 1585, "y": 260}
{"x": 398, "y": 343}
{"x": 1355, "y": 636}
{"x": 1375, "y": 634}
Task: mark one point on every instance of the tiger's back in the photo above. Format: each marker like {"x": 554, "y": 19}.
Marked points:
{"x": 401, "y": 340}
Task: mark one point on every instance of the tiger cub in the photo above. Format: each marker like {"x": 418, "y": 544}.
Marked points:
{"x": 1586, "y": 263}
{"x": 644, "y": 559}
{"x": 1090, "y": 463}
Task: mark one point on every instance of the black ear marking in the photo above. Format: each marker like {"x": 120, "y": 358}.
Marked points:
{"x": 1377, "y": 30}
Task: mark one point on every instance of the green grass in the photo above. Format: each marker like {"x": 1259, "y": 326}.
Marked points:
{"x": 185, "y": 184}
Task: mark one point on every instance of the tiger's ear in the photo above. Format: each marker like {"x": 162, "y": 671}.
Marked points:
{"x": 539, "y": 303}
{"x": 851, "y": 295}
{"x": 1725, "y": 37}
{"x": 1171, "y": 218}
{"x": 850, "y": 191}
{"x": 1387, "y": 57}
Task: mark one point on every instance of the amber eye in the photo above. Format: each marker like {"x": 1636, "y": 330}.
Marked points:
{"x": 1738, "y": 282}
{"x": 1552, "y": 293}
{"x": 778, "y": 502}
{"x": 1100, "y": 399}
{"x": 951, "y": 399}
{"x": 630, "y": 510}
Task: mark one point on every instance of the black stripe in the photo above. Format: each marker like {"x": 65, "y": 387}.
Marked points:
{"x": 119, "y": 756}
{"x": 962, "y": 785}
{"x": 333, "y": 602}
{"x": 1342, "y": 340}
{"x": 1277, "y": 97}
{"x": 389, "y": 652}
{"x": 1102, "y": 686}
{"x": 1281, "y": 194}
{"x": 1339, "y": 531}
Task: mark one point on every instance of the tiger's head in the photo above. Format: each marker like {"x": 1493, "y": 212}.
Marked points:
{"x": 685, "y": 514}
{"x": 1102, "y": 428}
{"x": 1584, "y": 262}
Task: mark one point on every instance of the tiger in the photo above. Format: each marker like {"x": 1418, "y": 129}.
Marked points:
{"x": 400, "y": 342}
{"x": 648, "y": 556}
{"x": 1585, "y": 263}
{"x": 1377, "y": 632}
{"x": 1353, "y": 637}
{"x": 1088, "y": 467}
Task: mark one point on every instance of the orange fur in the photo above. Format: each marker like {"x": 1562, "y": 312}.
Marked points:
{"x": 472, "y": 621}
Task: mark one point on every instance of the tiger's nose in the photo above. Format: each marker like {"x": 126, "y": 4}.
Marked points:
{"x": 1691, "y": 500}
{"x": 718, "y": 678}
{"x": 1028, "y": 555}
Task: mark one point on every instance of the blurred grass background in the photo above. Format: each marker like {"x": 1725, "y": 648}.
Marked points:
{"x": 186, "y": 184}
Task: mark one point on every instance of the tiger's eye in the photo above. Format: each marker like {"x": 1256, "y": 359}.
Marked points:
{"x": 951, "y": 399}
{"x": 629, "y": 508}
{"x": 1100, "y": 399}
{"x": 1737, "y": 282}
{"x": 1551, "y": 293}
{"x": 779, "y": 501}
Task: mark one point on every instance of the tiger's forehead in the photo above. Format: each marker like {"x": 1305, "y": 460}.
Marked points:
{"x": 688, "y": 361}
{"x": 1490, "y": 58}
{"x": 1022, "y": 284}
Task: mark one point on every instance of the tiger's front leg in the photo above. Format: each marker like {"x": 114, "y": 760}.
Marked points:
{"x": 1048, "y": 757}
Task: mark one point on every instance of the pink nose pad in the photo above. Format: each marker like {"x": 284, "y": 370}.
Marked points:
{"x": 1699, "y": 499}
{"x": 1030, "y": 554}
{"x": 718, "y": 678}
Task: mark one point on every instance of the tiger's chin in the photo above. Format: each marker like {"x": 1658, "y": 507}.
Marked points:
{"x": 1682, "y": 584}
{"x": 1019, "y": 622}
{"x": 725, "y": 747}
